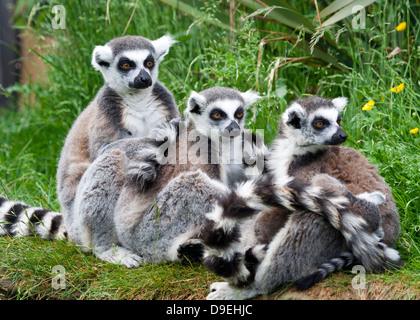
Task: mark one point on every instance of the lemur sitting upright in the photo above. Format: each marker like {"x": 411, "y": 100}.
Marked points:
{"x": 129, "y": 213}
{"x": 131, "y": 103}
{"x": 285, "y": 243}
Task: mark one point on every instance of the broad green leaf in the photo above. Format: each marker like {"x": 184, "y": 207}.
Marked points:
{"x": 282, "y": 3}
{"x": 288, "y": 17}
{"x": 333, "y": 7}
{"x": 346, "y": 11}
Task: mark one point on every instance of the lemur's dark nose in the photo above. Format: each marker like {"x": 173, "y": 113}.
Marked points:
{"x": 339, "y": 137}
{"x": 143, "y": 80}
{"x": 232, "y": 130}
{"x": 233, "y": 126}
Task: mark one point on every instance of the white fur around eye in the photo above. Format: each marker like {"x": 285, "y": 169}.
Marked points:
{"x": 330, "y": 114}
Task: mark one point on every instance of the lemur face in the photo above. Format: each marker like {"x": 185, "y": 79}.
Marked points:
{"x": 130, "y": 63}
{"x": 315, "y": 121}
{"x": 220, "y": 112}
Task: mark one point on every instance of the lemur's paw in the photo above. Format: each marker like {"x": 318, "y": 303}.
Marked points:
{"x": 143, "y": 174}
{"x": 119, "y": 255}
{"x": 222, "y": 291}
{"x": 167, "y": 131}
{"x": 191, "y": 251}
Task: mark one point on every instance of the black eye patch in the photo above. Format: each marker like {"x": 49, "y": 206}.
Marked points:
{"x": 217, "y": 114}
{"x": 239, "y": 113}
{"x": 149, "y": 62}
{"x": 126, "y": 64}
{"x": 320, "y": 123}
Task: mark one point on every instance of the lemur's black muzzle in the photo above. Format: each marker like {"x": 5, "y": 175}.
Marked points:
{"x": 233, "y": 129}
{"x": 142, "y": 81}
{"x": 339, "y": 137}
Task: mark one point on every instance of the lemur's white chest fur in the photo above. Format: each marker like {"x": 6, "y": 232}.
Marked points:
{"x": 141, "y": 114}
{"x": 283, "y": 152}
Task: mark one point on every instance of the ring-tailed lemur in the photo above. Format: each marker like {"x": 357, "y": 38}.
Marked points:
{"x": 281, "y": 242}
{"x": 125, "y": 222}
{"x": 131, "y": 103}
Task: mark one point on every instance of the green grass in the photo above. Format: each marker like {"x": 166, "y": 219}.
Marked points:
{"x": 31, "y": 139}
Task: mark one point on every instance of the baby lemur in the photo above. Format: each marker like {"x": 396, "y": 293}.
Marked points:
{"x": 258, "y": 238}
{"x": 129, "y": 214}
{"x": 131, "y": 103}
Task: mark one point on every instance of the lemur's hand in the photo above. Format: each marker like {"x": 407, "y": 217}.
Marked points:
{"x": 143, "y": 168}
{"x": 168, "y": 131}
{"x": 142, "y": 173}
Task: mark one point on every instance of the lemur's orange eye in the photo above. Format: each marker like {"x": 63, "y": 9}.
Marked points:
{"x": 319, "y": 124}
{"x": 149, "y": 64}
{"x": 239, "y": 115}
{"x": 339, "y": 122}
{"x": 216, "y": 115}
{"x": 126, "y": 65}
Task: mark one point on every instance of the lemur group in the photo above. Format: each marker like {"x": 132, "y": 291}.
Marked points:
{"x": 138, "y": 183}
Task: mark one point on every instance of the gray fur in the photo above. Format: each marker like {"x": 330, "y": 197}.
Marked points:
{"x": 117, "y": 112}
{"x": 121, "y": 221}
{"x": 291, "y": 254}
{"x": 217, "y": 93}
{"x": 119, "y": 45}
{"x": 123, "y": 108}
{"x": 173, "y": 219}
{"x": 336, "y": 182}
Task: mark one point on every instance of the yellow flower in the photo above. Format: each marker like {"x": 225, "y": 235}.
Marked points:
{"x": 398, "y": 88}
{"x": 368, "y": 106}
{"x": 414, "y": 131}
{"x": 401, "y": 26}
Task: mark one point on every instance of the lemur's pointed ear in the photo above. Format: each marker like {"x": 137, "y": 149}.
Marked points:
{"x": 196, "y": 103}
{"x": 340, "y": 103}
{"x": 294, "y": 115}
{"x": 162, "y": 46}
{"x": 250, "y": 97}
{"x": 102, "y": 57}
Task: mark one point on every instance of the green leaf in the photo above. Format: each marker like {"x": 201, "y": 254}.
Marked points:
{"x": 333, "y": 7}
{"x": 346, "y": 11}
{"x": 280, "y": 14}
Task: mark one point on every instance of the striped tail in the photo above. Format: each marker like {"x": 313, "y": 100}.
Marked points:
{"x": 364, "y": 243}
{"x": 18, "y": 219}
{"x": 221, "y": 232}
{"x": 222, "y": 237}
{"x": 345, "y": 260}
